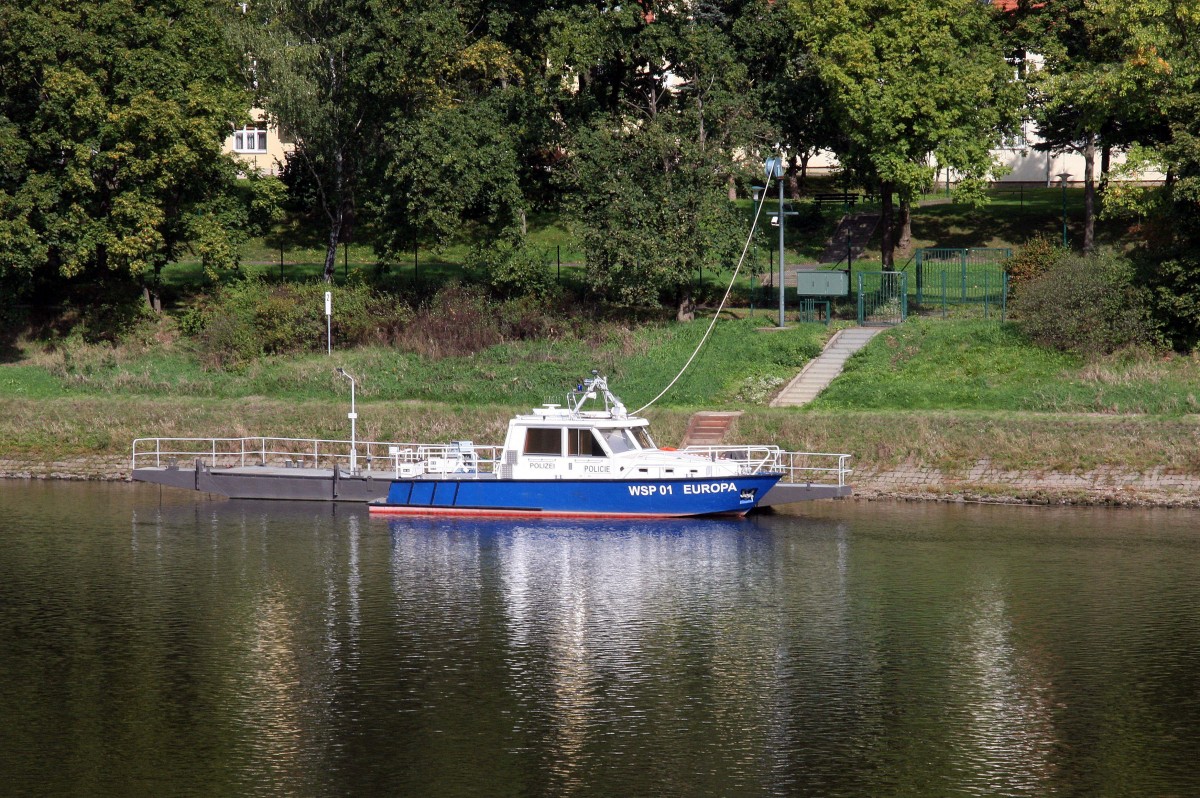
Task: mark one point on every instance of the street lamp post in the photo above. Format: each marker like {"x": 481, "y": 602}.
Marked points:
{"x": 1063, "y": 177}
{"x": 353, "y": 416}
{"x": 775, "y": 170}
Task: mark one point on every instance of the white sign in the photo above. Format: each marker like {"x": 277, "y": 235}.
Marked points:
{"x": 328, "y": 303}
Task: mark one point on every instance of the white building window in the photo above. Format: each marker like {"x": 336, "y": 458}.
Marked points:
{"x": 1019, "y": 139}
{"x": 252, "y": 138}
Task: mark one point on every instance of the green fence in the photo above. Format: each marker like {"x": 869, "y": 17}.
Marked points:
{"x": 882, "y": 297}
{"x": 962, "y": 276}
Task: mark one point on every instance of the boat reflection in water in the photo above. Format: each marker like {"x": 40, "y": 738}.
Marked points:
{"x": 644, "y": 642}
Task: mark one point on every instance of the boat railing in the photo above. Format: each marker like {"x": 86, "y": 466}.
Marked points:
{"x": 385, "y": 457}
{"x": 797, "y": 467}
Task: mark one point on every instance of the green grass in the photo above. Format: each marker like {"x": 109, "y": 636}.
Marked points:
{"x": 739, "y": 365}
{"x": 930, "y": 364}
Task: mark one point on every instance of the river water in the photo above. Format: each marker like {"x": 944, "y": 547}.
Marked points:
{"x": 157, "y": 643}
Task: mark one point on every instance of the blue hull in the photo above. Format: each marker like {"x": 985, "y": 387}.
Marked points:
{"x": 585, "y": 498}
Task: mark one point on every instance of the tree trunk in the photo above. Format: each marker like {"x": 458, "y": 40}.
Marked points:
{"x": 335, "y": 232}
{"x": 686, "y": 306}
{"x": 905, "y": 225}
{"x": 793, "y": 182}
{"x": 804, "y": 159}
{"x": 887, "y": 239}
{"x": 1089, "y": 194}
{"x": 731, "y": 183}
{"x": 153, "y": 298}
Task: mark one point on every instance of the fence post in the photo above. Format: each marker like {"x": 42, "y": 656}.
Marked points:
{"x": 963, "y": 261}
{"x": 943, "y": 293}
{"x": 860, "y": 298}
{"x": 986, "y": 287}
{"x": 920, "y": 279}
{"x": 1004, "y": 298}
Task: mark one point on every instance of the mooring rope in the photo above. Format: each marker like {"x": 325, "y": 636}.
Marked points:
{"x": 724, "y": 299}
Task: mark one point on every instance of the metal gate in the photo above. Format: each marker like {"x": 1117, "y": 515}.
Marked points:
{"x": 882, "y": 297}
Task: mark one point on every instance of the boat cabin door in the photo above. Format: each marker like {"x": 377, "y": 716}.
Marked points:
{"x": 586, "y": 456}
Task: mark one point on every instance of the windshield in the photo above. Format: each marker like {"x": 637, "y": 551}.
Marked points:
{"x": 618, "y": 440}
{"x": 643, "y": 438}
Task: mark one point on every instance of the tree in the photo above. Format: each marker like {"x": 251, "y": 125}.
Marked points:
{"x": 463, "y": 161}
{"x": 312, "y": 64}
{"x": 111, "y": 124}
{"x": 1081, "y": 99}
{"x": 911, "y": 81}
{"x": 1157, "y": 51}
{"x": 789, "y": 95}
{"x": 660, "y": 108}
{"x": 409, "y": 117}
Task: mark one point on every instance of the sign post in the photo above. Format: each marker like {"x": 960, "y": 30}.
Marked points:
{"x": 353, "y": 416}
{"x": 328, "y": 323}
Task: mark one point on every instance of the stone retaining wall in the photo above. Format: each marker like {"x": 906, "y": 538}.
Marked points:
{"x": 912, "y": 481}
{"x": 1102, "y": 485}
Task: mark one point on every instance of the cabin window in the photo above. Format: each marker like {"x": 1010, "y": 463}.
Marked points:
{"x": 583, "y": 443}
{"x": 643, "y": 438}
{"x": 618, "y": 440}
{"x": 540, "y": 440}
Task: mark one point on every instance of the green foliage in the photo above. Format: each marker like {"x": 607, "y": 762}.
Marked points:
{"x": 247, "y": 319}
{"x": 1088, "y": 305}
{"x": 511, "y": 267}
{"x": 1173, "y": 278}
{"x": 910, "y": 80}
{"x": 111, "y": 123}
{"x": 653, "y": 212}
{"x": 655, "y": 123}
{"x": 1033, "y": 259}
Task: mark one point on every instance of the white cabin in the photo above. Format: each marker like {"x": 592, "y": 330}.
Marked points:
{"x": 557, "y": 442}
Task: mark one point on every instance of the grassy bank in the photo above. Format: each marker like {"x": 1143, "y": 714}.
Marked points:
{"x": 930, "y": 364}
{"x": 952, "y": 441}
{"x": 740, "y": 365}
{"x": 943, "y": 395}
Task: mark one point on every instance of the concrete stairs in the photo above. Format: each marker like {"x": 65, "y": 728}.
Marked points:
{"x": 821, "y": 370}
{"x": 708, "y": 428}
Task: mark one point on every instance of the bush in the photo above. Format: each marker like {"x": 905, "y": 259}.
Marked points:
{"x": 1089, "y": 305}
{"x": 510, "y": 267}
{"x": 1034, "y": 259}
{"x": 250, "y": 318}
{"x": 460, "y": 320}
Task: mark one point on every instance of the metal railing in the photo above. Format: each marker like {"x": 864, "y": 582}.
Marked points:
{"x": 797, "y": 467}
{"x": 457, "y": 457}
{"x": 372, "y": 456}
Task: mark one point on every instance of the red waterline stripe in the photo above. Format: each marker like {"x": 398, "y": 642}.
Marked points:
{"x": 431, "y": 511}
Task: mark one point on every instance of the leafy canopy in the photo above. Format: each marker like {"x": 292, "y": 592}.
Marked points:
{"x": 111, "y": 124}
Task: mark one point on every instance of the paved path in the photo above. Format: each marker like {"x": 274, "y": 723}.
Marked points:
{"x": 822, "y": 369}
{"x": 858, "y": 228}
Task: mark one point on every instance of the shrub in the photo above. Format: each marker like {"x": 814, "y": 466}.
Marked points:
{"x": 457, "y": 321}
{"x": 510, "y": 267}
{"x": 247, "y": 319}
{"x": 1033, "y": 259}
{"x": 1089, "y": 305}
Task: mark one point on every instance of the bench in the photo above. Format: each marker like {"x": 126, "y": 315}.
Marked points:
{"x": 835, "y": 199}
